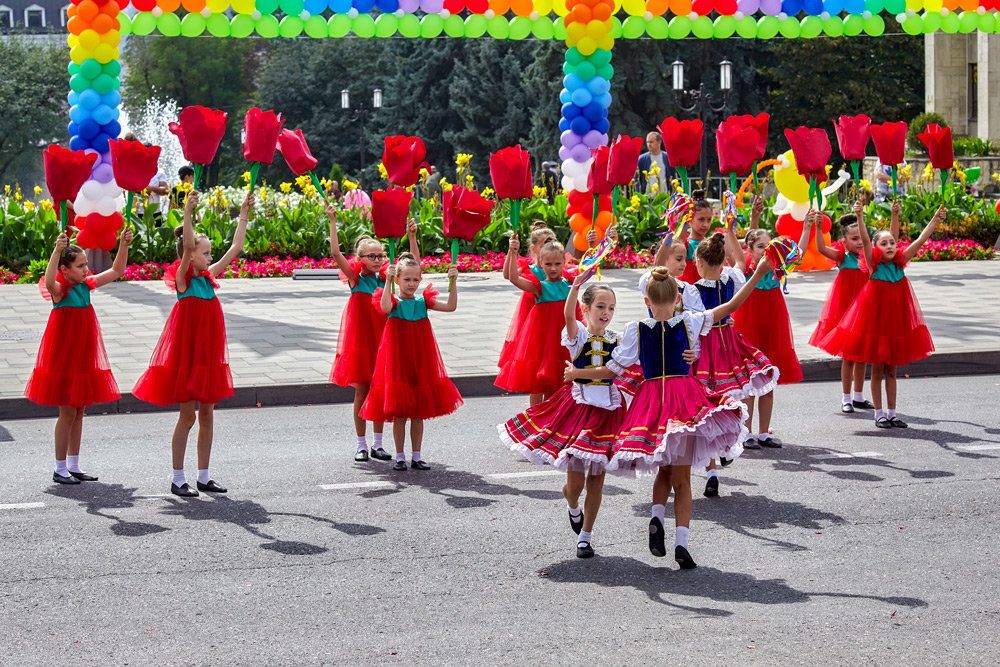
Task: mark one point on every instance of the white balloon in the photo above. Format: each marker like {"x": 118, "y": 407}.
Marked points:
{"x": 110, "y": 189}
{"x": 106, "y": 207}
{"x": 83, "y": 207}
{"x": 91, "y": 190}
{"x": 799, "y": 210}
{"x": 580, "y": 182}
{"x": 567, "y": 183}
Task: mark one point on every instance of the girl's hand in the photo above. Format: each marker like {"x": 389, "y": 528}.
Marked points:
{"x": 858, "y": 208}
{"x": 940, "y": 214}
{"x": 513, "y": 244}
{"x": 126, "y": 236}
{"x": 453, "y": 272}
{"x": 613, "y": 233}
{"x": 592, "y": 238}
{"x": 689, "y": 356}
{"x": 62, "y": 241}
{"x": 895, "y": 207}
{"x": 248, "y": 203}
{"x": 757, "y": 207}
{"x": 390, "y": 271}
{"x": 411, "y": 227}
{"x": 191, "y": 203}
{"x": 580, "y": 279}
{"x": 569, "y": 373}
{"x": 331, "y": 212}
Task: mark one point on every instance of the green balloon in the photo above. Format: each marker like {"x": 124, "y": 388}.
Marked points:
{"x": 616, "y": 27}
{"x": 586, "y": 70}
{"x": 497, "y": 27}
{"x": 874, "y": 6}
{"x": 703, "y": 28}
{"x": 812, "y": 26}
{"x": 386, "y": 25}
{"x": 111, "y": 68}
{"x": 241, "y": 26}
{"x": 790, "y": 28}
{"x": 633, "y": 27}
{"x": 574, "y": 57}
{"x": 363, "y": 25}
{"x": 559, "y": 29}
{"x": 74, "y": 68}
{"x": 724, "y": 27}
{"x": 267, "y": 26}
{"x": 104, "y": 84}
{"x": 542, "y": 28}
{"x": 218, "y": 25}
{"x": 987, "y": 22}
{"x": 143, "y": 23}
{"x": 931, "y": 21}
{"x": 78, "y": 83}
{"x": 89, "y": 68}
{"x": 432, "y": 25}
{"x": 454, "y": 26}
{"x": 968, "y": 21}
{"x": 409, "y": 26}
{"x": 606, "y": 72}
{"x": 291, "y": 26}
{"x": 680, "y": 27}
{"x": 657, "y": 27}
{"x": 912, "y": 25}
{"x": 834, "y": 26}
{"x": 950, "y": 23}
{"x": 266, "y": 6}
{"x": 767, "y": 27}
{"x": 125, "y": 25}
{"x": 169, "y": 25}
{"x": 475, "y": 26}
{"x": 746, "y": 27}
{"x": 339, "y": 25}
{"x": 520, "y": 27}
{"x": 192, "y": 25}
{"x": 895, "y": 7}
{"x": 853, "y": 25}
{"x": 291, "y": 7}
{"x": 600, "y": 58}
{"x": 875, "y": 26}
{"x": 315, "y": 27}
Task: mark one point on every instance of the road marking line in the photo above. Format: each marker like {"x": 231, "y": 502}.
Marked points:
{"x": 22, "y": 506}
{"x": 868, "y": 455}
{"x": 978, "y": 448}
{"x": 855, "y": 455}
{"x": 524, "y": 475}
{"x": 156, "y": 495}
{"x": 357, "y": 485}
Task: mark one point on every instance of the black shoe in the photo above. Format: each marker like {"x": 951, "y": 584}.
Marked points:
{"x": 584, "y": 550}
{"x": 576, "y": 524}
{"x": 683, "y": 558}
{"x": 420, "y": 465}
{"x": 897, "y": 422}
{"x": 864, "y": 405}
{"x": 361, "y": 455}
{"x": 882, "y": 422}
{"x": 656, "y": 546}
{"x": 67, "y": 479}
{"x": 212, "y": 486}
{"x": 399, "y": 465}
{"x": 771, "y": 442}
{"x": 183, "y": 490}
{"x": 847, "y": 409}
{"x": 712, "y": 487}
{"x": 381, "y": 455}
{"x": 724, "y": 461}
{"x": 83, "y": 477}
{"x": 751, "y": 443}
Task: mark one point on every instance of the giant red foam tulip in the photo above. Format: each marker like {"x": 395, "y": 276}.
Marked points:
{"x": 759, "y": 125}
{"x": 66, "y": 171}
{"x": 134, "y": 164}
{"x": 510, "y": 170}
{"x": 736, "y": 142}
{"x": 890, "y": 142}
{"x": 853, "y": 133}
{"x": 466, "y": 212}
{"x": 623, "y": 159}
{"x": 294, "y": 149}
{"x": 597, "y": 177}
{"x": 402, "y": 159}
{"x": 260, "y": 135}
{"x": 939, "y": 145}
{"x": 682, "y": 141}
{"x": 389, "y": 210}
{"x": 812, "y": 150}
{"x": 199, "y": 131}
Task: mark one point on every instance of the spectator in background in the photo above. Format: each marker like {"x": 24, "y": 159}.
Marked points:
{"x": 179, "y": 193}
{"x": 433, "y": 183}
{"x": 883, "y": 182}
{"x": 550, "y": 179}
{"x": 654, "y": 155}
{"x": 334, "y": 193}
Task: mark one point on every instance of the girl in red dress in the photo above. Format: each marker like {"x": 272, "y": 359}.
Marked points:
{"x": 190, "y": 364}
{"x": 701, "y": 222}
{"x": 72, "y": 369}
{"x": 410, "y": 381}
{"x": 845, "y": 289}
{"x": 884, "y": 325}
{"x": 763, "y": 321}
{"x": 361, "y": 325}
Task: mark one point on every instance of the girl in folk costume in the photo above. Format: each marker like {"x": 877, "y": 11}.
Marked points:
{"x": 575, "y": 428}
{"x": 190, "y": 364}
{"x": 410, "y": 381}
{"x": 72, "y": 369}
{"x": 884, "y": 325}
{"x": 701, "y": 222}
{"x": 361, "y": 325}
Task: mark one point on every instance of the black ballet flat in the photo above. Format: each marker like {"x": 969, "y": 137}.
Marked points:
{"x": 864, "y": 405}
{"x": 576, "y": 524}
{"x": 847, "y": 409}
{"x": 896, "y": 422}
{"x": 399, "y": 465}
{"x": 83, "y": 477}
{"x": 712, "y": 487}
{"x": 361, "y": 456}
{"x": 883, "y": 423}
{"x": 380, "y": 454}
{"x": 420, "y": 465}
{"x": 212, "y": 486}
{"x": 64, "y": 479}
{"x": 656, "y": 545}
{"x": 183, "y": 490}
{"x": 683, "y": 558}
{"x": 584, "y": 550}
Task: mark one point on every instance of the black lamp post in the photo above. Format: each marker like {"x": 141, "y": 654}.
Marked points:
{"x": 362, "y": 114}
{"x": 700, "y": 99}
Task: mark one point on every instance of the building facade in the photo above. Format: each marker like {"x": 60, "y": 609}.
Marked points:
{"x": 33, "y": 16}
{"x": 962, "y": 76}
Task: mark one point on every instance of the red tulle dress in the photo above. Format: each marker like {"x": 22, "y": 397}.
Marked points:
{"x": 728, "y": 363}
{"x": 72, "y": 366}
{"x": 538, "y": 360}
{"x": 361, "y": 328}
{"x": 575, "y": 428}
{"x": 191, "y": 359}
{"x": 884, "y": 325}
{"x": 763, "y": 320}
{"x": 850, "y": 280}
{"x": 410, "y": 380}
{"x": 524, "y": 306}
{"x": 673, "y": 419}
{"x": 691, "y": 274}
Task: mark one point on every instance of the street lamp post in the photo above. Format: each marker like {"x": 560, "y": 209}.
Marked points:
{"x": 362, "y": 114}
{"x": 702, "y": 100}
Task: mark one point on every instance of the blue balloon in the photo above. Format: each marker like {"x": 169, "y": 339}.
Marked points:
{"x": 573, "y": 82}
{"x": 594, "y": 111}
{"x": 604, "y": 100}
{"x": 813, "y": 7}
{"x": 563, "y": 124}
{"x": 315, "y": 6}
{"x": 602, "y": 126}
{"x": 565, "y": 97}
{"x": 115, "y": 113}
{"x": 78, "y": 144}
{"x": 791, "y": 7}
{"x": 72, "y": 129}
{"x": 73, "y": 98}
{"x": 854, "y": 6}
{"x": 100, "y": 142}
{"x": 102, "y": 113}
{"x": 581, "y": 97}
{"x": 571, "y": 111}
{"x": 363, "y": 6}
{"x": 580, "y": 125}
{"x": 599, "y": 85}
{"x": 340, "y": 6}
{"x": 112, "y": 129}
{"x": 89, "y": 99}
{"x": 833, "y": 7}
{"x": 387, "y": 6}
{"x": 89, "y": 129}
{"x": 112, "y": 99}
{"x": 78, "y": 114}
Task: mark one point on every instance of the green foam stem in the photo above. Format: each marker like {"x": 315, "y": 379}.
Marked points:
{"x": 254, "y": 170}
{"x": 895, "y": 176}
{"x": 682, "y": 172}
{"x": 64, "y": 215}
{"x": 732, "y": 181}
{"x": 454, "y": 260}
{"x": 197, "y": 176}
{"x": 128, "y": 206}
{"x": 515, "y": 215}
{"x": 944, "y": 182}
{"x": 597, "y": 209}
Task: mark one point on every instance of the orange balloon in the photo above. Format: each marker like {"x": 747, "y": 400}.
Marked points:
{"x": 71, "y": 11}
{"x": 103, "y": 23}
{"x": 578, "y": 223}
{"x": 110, "y": 8}
{"x": 168, "y": 6}
{"x": 580, "y": 241}
{"x": 680, "y": 7}
{"x": 500, "y": 6}
{"x": 522, "y": 7}
{"x": 657, "y": 7}
{"x": 88, "y": 10}
{"x": 969, "y": 5}
{"x": 76, "y": 25}
{"x": 602, "y": 12}
{"x": 604, "y": 220}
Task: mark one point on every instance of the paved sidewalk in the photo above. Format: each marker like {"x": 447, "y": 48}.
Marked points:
{"x": 282, "y": 332}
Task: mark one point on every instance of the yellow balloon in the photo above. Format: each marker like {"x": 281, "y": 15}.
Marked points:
{"x": 634, "y": 7}
{"x": 915, "y": 5}
{"x": 243, "y": 6}
{"x": 587, "y": 46}
{"x": 575, "y": 32}
{"x": 560, "y": 7}
{"x": 933, "y": 5}
{"x": 790, "y": 182}
{"x": 74, "y": 40}
{"x": 543, "y": 7}
{"x": 217, "y": 6}
{"x": 596, "y": 30}
{"x": 89, "y": 39}
{"x": 77, "y": 54}
{"x": 606, "y": 43}
{"x": 618, "y": 7}
{"x": 105, "y": 54}
{"x": 112, "y": 38}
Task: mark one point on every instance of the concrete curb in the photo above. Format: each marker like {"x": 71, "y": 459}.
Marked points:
{"x": 814, "y": 370}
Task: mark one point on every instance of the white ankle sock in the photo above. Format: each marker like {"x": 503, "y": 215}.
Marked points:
{"x": 203, "y": 476}
{"x": 890, "y": 413}
{"x": 847, "y": 398}
{"x": 763, "y": 437}
{"x": 575, "y": 512}
{"x": 61, "y": 469}
{"x": 859, "y": 396}
{"x": 362, "y": 443}
{"x": 681, "y": 536}
{"x": 879, "y": 414}
{"x": 659, "y": 511}
{"x": 416, "y": 456}
{"x": 73, "y": 463}
{"x": 400, "y": 456}
{"x": 378, "y": 441}
{"x": 585, "y": 537}
{"x": 179, "y": 478}
{"x": 714, "y": 472}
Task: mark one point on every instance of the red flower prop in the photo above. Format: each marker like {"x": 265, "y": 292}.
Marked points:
{"x": 682, "y": 141}
{"x": 66, "y": 171}
{"x": 510, "y": 169}
{"x": 134, "y": 164}
{"x": 853, "y": 133}
{"x": 939, "y": 145}
{"x": 466, "y": 212}
{"x": 99, "y": 231}
{"x": 260, "y": 135}
{"x": 199, "y": 131}
{"x": 812, "y": 150}
{"x": 759, "y": 124}
{"x": 890, "y": 141}
{"x": 736, "y": 143}
{"x": 402, "y": 159}
{"x": 295, "y": 151}
{"x": 389, "y": 209}
{"x": 623, "y": 159}
{"x": 597, "y": 179}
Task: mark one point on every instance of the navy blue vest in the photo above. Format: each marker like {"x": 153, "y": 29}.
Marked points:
{"x": 720, "y": 293}
{"x": 661, "y": 349}
{"x": 586, "y": 357}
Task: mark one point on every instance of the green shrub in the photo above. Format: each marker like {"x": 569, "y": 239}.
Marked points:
{"x": 974, "y": 147}
{"x": 917, "y": 125}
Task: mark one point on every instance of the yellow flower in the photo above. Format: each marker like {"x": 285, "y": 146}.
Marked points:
{"x": 445, "y": 185}
{"x": 424, "y": 173}
{"x": 469, "y": 180}
{"x": 635, "y": 201}
{"x": 29, "y": 206}
{"x": 654, "y": 186}
{"x": 38, "y": 191}
{"x": 539, "y": 192}
{"x": 996, "y": 177}
{"x": 928, "y": 174}
{"x": 348, "y": 185}
{"x": 185, "y": 187}
{"x": 487, "y": 192}
{"x": 462, "y": 160}
{"x": 246, "y": 177}
{"x": 326, "y": 183}
{"x": 46, "y": 205}
{"x": 382, "y": 171}
{"x": 286, "y": 187}
{"x": 283, "y": 202}
{"x": 6, "y": 190}
{"x": 865, "y": 185}
{"x": 654, "y": 169}
{"x": 904, "y": 172}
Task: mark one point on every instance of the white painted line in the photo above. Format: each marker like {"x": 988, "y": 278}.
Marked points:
{"x": 357, "y": 485}
{"x": 868, "y": 455}
{"x": 156, "y": 495}
{"x": 524, "y": 475}
{"x": 855, "y": 455}
{"x": 22, "y": 506}
{"x": 978, "y": 448}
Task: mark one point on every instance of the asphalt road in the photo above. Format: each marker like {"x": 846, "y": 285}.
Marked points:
{"x": 848, "y": 545}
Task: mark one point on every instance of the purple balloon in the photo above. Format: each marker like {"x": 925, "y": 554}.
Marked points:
{"x": 748, "y": 7}
{"x": 569, "y": 139}
{"x": 432, "y": 6}
{"x": 770, "y": 7}
{"x": 103, "y": 173}
{"x": 409, "y": 6}
{"x": 580, "y": 153}
{"x": 564, "y": 153}
{"x": 593, "y": 139}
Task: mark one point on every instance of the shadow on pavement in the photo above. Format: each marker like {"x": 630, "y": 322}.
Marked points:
{"x": 797, "y": 458}
{"x": 96, "y": 497}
